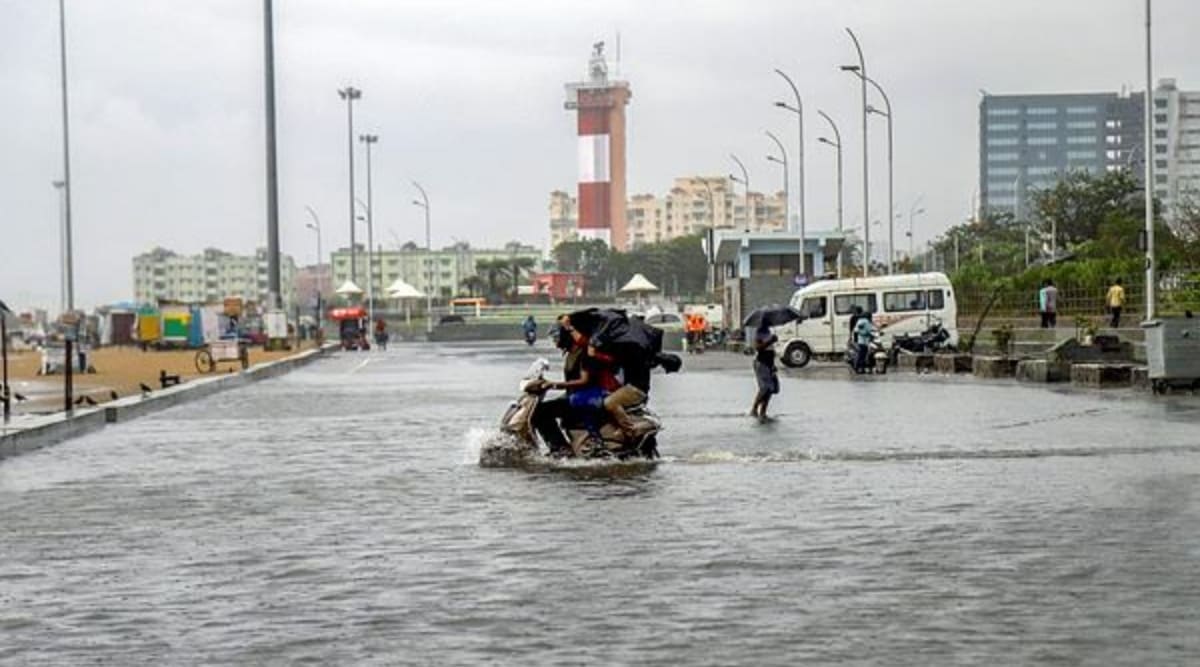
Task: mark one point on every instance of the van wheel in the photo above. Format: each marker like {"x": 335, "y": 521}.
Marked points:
{"x": 797, "y": 355}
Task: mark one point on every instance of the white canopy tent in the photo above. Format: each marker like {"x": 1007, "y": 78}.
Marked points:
{"x": 404, "y": 293}
{"x": 349, "y": 289}
{"x": 639, "y": 286}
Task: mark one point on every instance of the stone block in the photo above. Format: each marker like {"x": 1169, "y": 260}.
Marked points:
{"x": 1042, "y": 370}
{"x": 918, "y": 362}
{"x": 1101, "y": 376}
{"x": 993, "y": 367}
{"x": 1139, "y": 378}
{"x": 952, "y": 363}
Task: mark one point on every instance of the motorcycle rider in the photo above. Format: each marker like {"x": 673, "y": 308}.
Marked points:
{"x": 529, "y": 327}
{"x": 864, "y": 333}
{"x": 550, "y": 412}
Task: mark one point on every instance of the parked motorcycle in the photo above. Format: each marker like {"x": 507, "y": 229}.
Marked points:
{"x": 523, "y": 446}
{"x": 932, "y": 339}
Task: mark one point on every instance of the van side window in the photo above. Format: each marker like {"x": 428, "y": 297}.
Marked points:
{"x": 813, "y": 306}
{"x": 937, "y": 299}
{"x": 843, "y": 304}
{"x": 898, "y": 302}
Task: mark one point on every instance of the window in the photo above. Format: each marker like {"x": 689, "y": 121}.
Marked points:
{"x": 1081, "y": 155}
{"x": 1160, "y": 118}
{"x": 1001, "y": 157}
{"x": 1042, "y": 141}
{"x": 1081, "y": 125}
{"x": 1000, "y": 186}
{"x": 1081, "y": 139}
{"x": 774, "y": 265}
{"x": 814, "y": 307}
{"x": 1078, "y": 111}
{"x": 1160, "y": 178}
{"x": 1041, "y": 171}
{"x": 1160, "y": 134}
{"x": 1002, "y": 171}
{"x": 1160, "y": 164}
{"x": 937, "y": 299}
{"x": 1001, "y": 127}
{"x": 1041, "y": 111}
{"x": 843, "y": 304}
{"x": 1042, "y": 125}
{"x": 1160, "y": 104}
{"x": 1160, "y": 149}
{"x": 1002, "y": 141}
{"x": 900, "y": 302}
{"x": 1003, "y": 111}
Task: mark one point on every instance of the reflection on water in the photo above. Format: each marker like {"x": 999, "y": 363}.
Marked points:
{"x": 336, "y": 515}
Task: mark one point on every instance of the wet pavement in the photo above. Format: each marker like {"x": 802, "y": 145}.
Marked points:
{"x": 336, "y": 516}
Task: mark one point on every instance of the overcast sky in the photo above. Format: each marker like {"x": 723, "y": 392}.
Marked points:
{"x": 167, "y": 122}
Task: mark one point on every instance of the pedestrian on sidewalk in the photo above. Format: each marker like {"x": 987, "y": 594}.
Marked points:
{"x": 1048, "y": 304}
{"x": 1115, "y": 302}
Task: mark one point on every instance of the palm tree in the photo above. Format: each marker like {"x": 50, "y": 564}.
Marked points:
{"x": 517, "y": 266}
{"x": 474, "y": 285}
{"x": 492, "y": 271}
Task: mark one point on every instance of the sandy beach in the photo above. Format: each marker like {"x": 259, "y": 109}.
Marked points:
{"x": 118, "y": 369}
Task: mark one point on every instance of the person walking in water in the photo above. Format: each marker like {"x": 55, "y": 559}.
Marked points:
{"x": 1115, "y": 300}
{"x": 765, "y": 373}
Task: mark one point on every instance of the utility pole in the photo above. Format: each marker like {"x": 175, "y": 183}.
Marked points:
{"x": 350, "y": 94}
{"x": 861, "y": 68}
{"x": 370, "y": 140}
{"x": 836, "y": 143}
{"x": 274, "y": 290}
{"x": 1149, "y": 170}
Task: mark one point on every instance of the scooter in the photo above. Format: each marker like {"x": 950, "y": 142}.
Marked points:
{"x": 530, "y": 337}
{"x": 933, "y": 338}
{"x": 523, "y": 446}
{"x": 877, "y": 356}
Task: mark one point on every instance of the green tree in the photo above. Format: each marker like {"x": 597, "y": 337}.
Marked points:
{"x": 1080, "y": 204}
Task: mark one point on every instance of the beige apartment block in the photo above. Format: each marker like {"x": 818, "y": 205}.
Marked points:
{"x": 693, "y": 204}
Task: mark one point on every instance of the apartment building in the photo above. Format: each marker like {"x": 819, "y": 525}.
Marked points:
{"x": 691, "y": 206}
{"x": 440, "y": 272}
{"x": 209, "y": 277}
{"x": 1176, "y": 125}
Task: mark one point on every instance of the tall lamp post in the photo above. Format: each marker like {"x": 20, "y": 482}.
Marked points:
{"x": 913, "y": 213}
{"x": 315, "y": 225}
{"x": 782, "y": 160}
{"x": 886, "y": 113}
{"x": 799, "y": 111}
{"x": 861, "y": 69}
{"x": 429, "y": 285}
{"x": 5, "y": 396}
{"x": 837, "y": 144}
{"x": 274, "y": 288}
{"x": 350, "y": 94}
{"x": 370, "y": 140}
{"x": 1149, "y": 170}
{"x": 712, "y": 236}
{"x": 745, "y": 181}
{"x": 60, "y": 188}
{"x": 68, "y": 385}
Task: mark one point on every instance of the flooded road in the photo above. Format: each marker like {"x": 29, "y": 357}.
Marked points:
{"x": 336, "y": 516}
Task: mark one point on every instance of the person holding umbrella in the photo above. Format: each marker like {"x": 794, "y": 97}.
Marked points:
{"x": 766, "y": 375}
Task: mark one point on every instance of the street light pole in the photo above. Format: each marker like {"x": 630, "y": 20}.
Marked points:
{"x": 424, "y": 203}
{"x": 5, "y": 395}
{"x": 712, "y": 236}
{"x": 370, "y": 140}
{"x": 350, "y": 94}
{"x": 274, "y": 288}
{"x": 315, "y": 225}
{"x": 746, "y": 183}
{"x": 912, "y": 213}
{"x": 837, "y": 144}
{"x": 1149, "y": 170}
{"x": 66, "y": 132}
{"x": 861, "y": 68}
{"x": 59, "y": 187}
{"x": 799, "y": 111}
{"x": 891, "y": 167}
{"x": 783, "y": 161}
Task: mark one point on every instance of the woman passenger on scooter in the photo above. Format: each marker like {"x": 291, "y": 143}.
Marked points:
{"x": 585, "y": 391}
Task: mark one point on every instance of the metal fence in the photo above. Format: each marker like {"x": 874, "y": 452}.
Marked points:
{"x": 1176, "y": 292}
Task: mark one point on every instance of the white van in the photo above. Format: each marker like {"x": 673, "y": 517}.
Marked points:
{"x": 899, "y": 304}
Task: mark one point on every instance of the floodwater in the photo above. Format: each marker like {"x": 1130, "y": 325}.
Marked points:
{"x": 336, "y": 516}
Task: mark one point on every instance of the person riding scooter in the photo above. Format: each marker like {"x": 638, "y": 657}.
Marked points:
{"x": 529, "y": 328}
{"x": 863, "y": 333}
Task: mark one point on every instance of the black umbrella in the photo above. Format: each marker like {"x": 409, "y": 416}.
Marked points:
{"x": 772, "y": 316}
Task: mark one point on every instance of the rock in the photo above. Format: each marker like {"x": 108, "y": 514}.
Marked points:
{"x": 1043, "y": 370}
{"x": 993, "y": 367}
{"x": 1101, "y": 375}
{"x": 952, "y": 363}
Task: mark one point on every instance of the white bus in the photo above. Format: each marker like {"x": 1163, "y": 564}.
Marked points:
{"x": 899, "y": 304}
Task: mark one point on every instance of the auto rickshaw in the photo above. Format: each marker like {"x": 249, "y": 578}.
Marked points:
{"x": 352, "y": 327}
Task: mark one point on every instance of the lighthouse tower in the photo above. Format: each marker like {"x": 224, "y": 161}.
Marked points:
{"x": 600, "y": 104}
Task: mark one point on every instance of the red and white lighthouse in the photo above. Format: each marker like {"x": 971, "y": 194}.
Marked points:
{"x": 600, "y": 103}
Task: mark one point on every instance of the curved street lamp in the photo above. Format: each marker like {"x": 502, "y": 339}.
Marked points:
{"x": 424, "y": 203}
{"x": 745, "y": 181}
